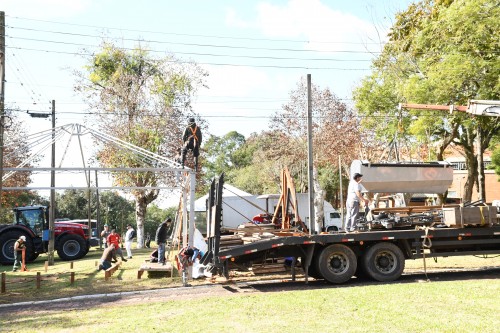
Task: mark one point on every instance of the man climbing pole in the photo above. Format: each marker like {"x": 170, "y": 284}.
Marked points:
{"x": 192, "y": 141}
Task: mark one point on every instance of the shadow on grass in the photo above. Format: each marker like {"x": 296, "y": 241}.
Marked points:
{"x": 274, "y": 286}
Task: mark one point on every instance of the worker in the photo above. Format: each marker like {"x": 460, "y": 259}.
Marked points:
{"x": 107, "y": 255}
{"x": 354, "y": 197}
{"x": 19, "y": 247}
{"x": 192, "y": 141}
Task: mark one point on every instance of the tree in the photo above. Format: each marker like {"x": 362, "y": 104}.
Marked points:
{"x": 144, "y": 101}
{"x": 15, "y": 153}
{"x": 220, "y": 154}
{"x": 439, "y": 52}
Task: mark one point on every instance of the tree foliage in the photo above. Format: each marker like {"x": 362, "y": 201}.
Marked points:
{"x": 142, "y": 100}
{"x": 15, "y": 153}
{"x": 439, "y": 52}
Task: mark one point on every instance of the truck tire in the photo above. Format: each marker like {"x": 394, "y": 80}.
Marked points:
{"x": 336, "y": 263}
{"x": 384, "y": 262}
{"x": 71, "y": 247}
{"x": 7, "y": 241}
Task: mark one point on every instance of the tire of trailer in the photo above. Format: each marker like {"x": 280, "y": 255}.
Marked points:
{"x": 360, "y": 270}
{"x": 384, "y": 262}
{"x": 7, "y": 241}
{"x": 336, "y": 263}
{"x": 71, "y": 247}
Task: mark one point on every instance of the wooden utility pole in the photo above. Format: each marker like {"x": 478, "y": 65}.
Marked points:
{"x": 52, "y": 208}
{"x": 2, "y": 98}
{"x": 310, "y": 164}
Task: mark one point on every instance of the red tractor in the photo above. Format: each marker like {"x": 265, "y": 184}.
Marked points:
{"x": 72, "y": 240}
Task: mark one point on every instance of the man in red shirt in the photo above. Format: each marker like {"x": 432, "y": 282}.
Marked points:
{"x": 114, "y": 238}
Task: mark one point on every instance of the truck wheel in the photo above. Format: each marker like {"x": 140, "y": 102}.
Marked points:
{"x": 384, "y": 262}
{"x": 332, "y": 228}
{"x": 71, "y": 247}
{"x": 7, "y": 241}
{"x": 336, "y": 263}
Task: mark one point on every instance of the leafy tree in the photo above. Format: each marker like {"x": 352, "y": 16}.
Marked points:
{"x": 220, "y": 154}
{"x": 439, "y": 52}
{"x": 15, "y": 153}
{"x": 144, "y": 101}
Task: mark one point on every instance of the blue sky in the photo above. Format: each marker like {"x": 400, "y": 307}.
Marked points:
{"x": 254, "y": 51}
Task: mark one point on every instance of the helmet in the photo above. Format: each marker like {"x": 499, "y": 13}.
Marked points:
{"x": 191, "y": 120}
{"x": 23, "y": 238}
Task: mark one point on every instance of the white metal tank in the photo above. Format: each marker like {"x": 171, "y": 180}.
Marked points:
{"x": 405, "y": 177}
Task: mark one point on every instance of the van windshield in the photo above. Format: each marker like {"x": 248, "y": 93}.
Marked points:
{"x": 334, "y": 215}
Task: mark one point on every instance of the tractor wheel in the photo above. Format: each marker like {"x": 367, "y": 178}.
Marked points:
{"x": 384, "y": 262}
{"x": 71, "y": 247}
{"x": 7, "y": 241}
{"x": 336, "y": 263}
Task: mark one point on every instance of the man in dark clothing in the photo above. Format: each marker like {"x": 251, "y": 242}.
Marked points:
{"x": 192, "y": 141}
{"x": 161, "y": 239}
{"x": 107, "y": 255}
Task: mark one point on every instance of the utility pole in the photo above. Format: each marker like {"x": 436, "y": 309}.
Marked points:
{"x": 310, "y": 165}
{"x": 2, "y": 99}
{"x": 52, "y": 208}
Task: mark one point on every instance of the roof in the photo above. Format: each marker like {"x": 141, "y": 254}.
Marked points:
{"x": 228, "y": 191}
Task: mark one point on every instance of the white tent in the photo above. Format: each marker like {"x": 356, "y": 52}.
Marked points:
{"x": 228, "y": 192}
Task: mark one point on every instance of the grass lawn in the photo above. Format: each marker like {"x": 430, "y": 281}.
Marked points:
{"x": 438, "y": 306}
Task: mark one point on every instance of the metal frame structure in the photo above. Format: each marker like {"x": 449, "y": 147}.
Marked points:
{"x": 42, "y": 141}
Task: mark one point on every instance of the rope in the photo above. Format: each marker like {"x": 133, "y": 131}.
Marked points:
{"x": 426, "y": 244}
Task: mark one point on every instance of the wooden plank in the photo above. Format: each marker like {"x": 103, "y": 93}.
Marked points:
{"x": 112, "y": 269}
{"x": 154, "y": 267}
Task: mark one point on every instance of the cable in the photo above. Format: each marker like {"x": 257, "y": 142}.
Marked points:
{"x": 197, "y": 44}
{"x": 191, "y": 35}
{"x": 213, "y": 64}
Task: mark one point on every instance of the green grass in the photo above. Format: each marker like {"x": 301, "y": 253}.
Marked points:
{"x": 21, "y": 286}
{"x": 438, "y": 306}
{"x": 458, "y": 306}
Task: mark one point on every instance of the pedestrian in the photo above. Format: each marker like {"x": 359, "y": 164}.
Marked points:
{"x": 129, "y": 236}
{"x": 104, "y": 234}
{"x": 192, "y": 141}
{"x": 354, "y": 196}
{"x": 148, "y": 241}
{"x": 161, "y": 239}
{"x": 19, "y": 247}
{"x": 114, "y": 238}
{"x": 107, "y": 255}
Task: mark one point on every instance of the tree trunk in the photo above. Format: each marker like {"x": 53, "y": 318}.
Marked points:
{"x": 319, "y": 202}
{"x": 480, "y": 165}
{"x": 140, "y": 217}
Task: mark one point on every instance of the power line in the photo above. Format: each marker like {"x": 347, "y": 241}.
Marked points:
{"x": 209, "y": 63}
{"x": 197, "y": 44}
{"x": 194, "y": 53}
{"x": 194, "y": 35}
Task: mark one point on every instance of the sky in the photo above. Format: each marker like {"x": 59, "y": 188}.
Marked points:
{"x": 254, "y": 51}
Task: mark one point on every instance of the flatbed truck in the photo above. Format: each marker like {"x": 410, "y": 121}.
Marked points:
{"x": 379, "y": 254}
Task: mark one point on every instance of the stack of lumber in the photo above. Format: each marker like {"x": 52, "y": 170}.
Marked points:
{"x": 229, "y": 241}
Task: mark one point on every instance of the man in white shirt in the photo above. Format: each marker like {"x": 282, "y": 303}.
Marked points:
{"x": 354, "y": 196}
{"x": 129, "y": 236}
